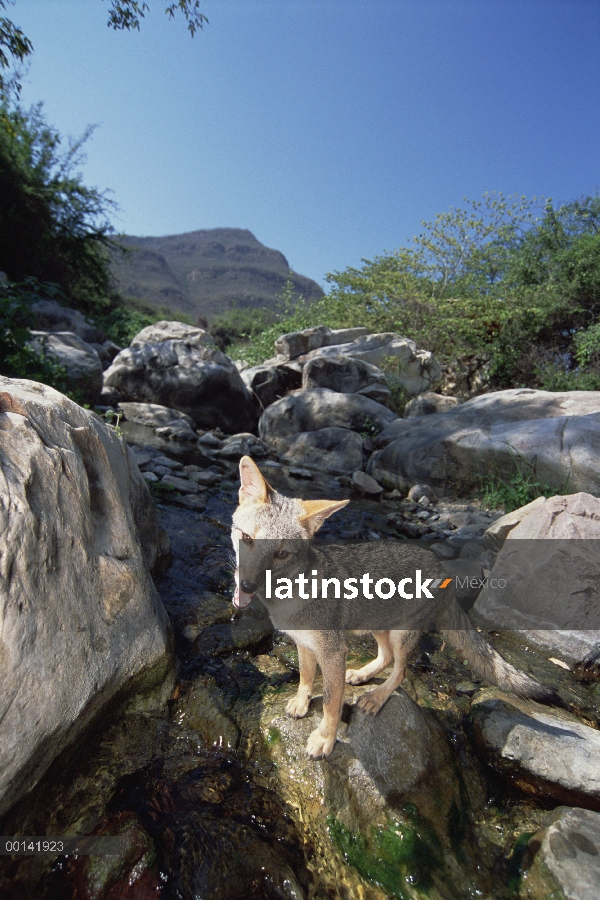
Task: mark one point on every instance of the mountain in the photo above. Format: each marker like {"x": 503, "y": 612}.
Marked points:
{"x": 205, "y": 272}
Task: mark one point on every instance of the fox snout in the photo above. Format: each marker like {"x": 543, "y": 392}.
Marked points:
{"x": 248, "y": 587}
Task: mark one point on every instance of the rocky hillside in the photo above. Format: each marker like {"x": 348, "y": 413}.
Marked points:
{"x": 206, "y": 272}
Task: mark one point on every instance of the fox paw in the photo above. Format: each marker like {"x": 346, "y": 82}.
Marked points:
{"x": 297, "y": 707}
{"x": 318, "y": 746}
{"x": 371, "y": 702}
{"x": 353, "y": 676}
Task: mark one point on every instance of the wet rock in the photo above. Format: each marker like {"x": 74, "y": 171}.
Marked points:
{"x": 341, "y": 373}
{"x": 545, "y": 752}
{"x": 366, "y": 486}
{"x": 563, "y": 859}
{"x": 321, "y": 408}
{"x": 332, "y": 450}
{"x": 81, "y": 614}
{"x": 560, "y": 430}
{"x": 183, "y": 373}
{"x": 428, "y": 403}
{"x": 201, "y": 709}
{"x": 80, "y": 360}
{"x": 243, "y": 444}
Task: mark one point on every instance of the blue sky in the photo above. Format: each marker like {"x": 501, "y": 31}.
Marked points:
{"x": 329, "y": 128}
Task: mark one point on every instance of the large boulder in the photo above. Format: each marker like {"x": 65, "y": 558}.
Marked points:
{"x": 428, "y": 403}
{"x": 50, "y": 316}
{"x": 183, "y": 374}
{"x": 560, "y": 432}
{"x": 340, "y": 373}
{"x": 80, "y": 361}
{"x": 322, "y": 408}
{"x": 550, "y": 563}
{"x": 545, "y": 752}
{"x": 336, "y": 451}
{"x": 81, "y": 619}
{"x": 298, "y": 343}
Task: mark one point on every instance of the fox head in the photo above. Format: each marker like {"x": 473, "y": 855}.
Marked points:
{"x": 268, "y": 529}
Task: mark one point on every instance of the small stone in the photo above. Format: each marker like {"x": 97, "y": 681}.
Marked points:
{"x": 210, "y": 440}
{"x": 301, "y": 473}
{"x": 191, "y": 501}
{"x": 161, "y": 470}
{"x": 150, "y": 477}
{"x": 204, "y": 478}
{"x": 423, "y": 514}
{"x": 424, "y": 501}
{"x": 422, "y": 490}
{"x": 166, "y": 461}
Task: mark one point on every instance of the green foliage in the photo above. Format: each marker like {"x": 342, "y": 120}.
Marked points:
{"x": 18, "y": 358}
{"x": 52, "y": 227}
{"x": 114, "y": 417}
{"x": 519, "y": 488}
{"x": 126, "y": 14}
{"x": 122, "y": 321}
{"x": 240, "y": 325}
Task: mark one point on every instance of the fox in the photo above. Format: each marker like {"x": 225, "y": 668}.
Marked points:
{"x": 267, "y": 530}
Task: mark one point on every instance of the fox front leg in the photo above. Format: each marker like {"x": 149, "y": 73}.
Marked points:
{"x": 322, "y": 740}
{"x": 307, "y": 663}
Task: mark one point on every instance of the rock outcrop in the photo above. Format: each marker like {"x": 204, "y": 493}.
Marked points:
{"x": 81, "y": 618}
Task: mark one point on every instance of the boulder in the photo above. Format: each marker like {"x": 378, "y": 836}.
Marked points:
{"x": 366, "y": 486}
{"x": 152, "y": 414}
{"x": 50, "y": 316}
{"x": 340, "y": 373}
{"x": 82, "y": 621}
{"x": 499, "y": 530}
{"x": 298, "y": 343}
{"x": 81, "y": 362}
{"x": 428, "y": 403}
{"x": 562, "y": 860}
{"x": 336, "y": 451}
{"x": 272, "y": 382}
{"x": 173, "y": 331}
{"x": 550, "y": 562}
{"x": 549, "y": 753}
{"x": 183, "y": 374}
{"x": 321, "y": 408}
{"x": 559, "y": 432}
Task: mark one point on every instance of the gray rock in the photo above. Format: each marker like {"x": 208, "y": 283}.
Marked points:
{"x": 204, "y": 478}
{"x": 173, "y": 331}
{"x": 422, "y": 490}
{"x": 333, "y": 450}
{"x": 550, "y": 752}
{"x": 177, "y": 430}
{"x": 321, "y": 408}
{"x": 107, "y": 351}
{"x": 366, "y": 486}
{"x": 210, "y": 441}
{"x": 416, "y": 370}
{"x": 564, "y": 857}
{"x": 50, "y": 316}
{"x": 81, "y": 617}
{"x": 551, "y": 562}
{"x": 272, "y": 382}
{"x": 428, "y": 403}
{"x": 181, "y": 484}
{"x": 560, "y": 431}
{"x": 152, "y": 414}
{"x": 109, "y": 397}
{"x": 298, "y": 343}
{"x": 80, "y": 360}
{"x": 499, "y": 530}
{"x": 185, "y": 375}
{"x": 166, "y": 461}
{"x": 340, "y": 373}
{"x": 150, "y": 477}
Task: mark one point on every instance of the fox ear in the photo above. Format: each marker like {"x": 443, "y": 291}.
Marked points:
{"x": 316, "y": 511}
{"x": 253, "y": 487}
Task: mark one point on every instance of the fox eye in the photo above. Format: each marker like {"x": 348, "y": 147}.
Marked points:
{"x": 282, "y": 554}
{"x": 246, "y": 538}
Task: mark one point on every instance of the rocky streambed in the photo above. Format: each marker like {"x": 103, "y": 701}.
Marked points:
{"x": 435, "y": 797}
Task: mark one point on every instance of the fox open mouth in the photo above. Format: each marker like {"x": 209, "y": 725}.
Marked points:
{"x": 240, "y": 599}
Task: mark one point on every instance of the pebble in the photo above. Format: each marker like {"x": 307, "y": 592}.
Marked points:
{"x": 181, "y": 484}
{"x": 149, "y": 477}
